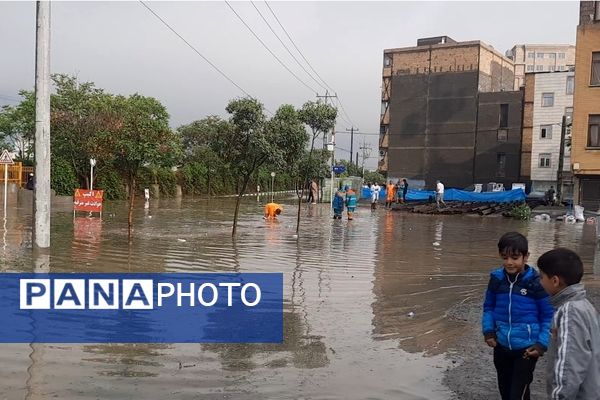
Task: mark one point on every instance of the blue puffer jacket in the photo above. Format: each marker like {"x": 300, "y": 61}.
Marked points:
{"x": 517, "y": 310}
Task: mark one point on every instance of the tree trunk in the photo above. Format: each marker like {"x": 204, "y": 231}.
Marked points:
{"x": 237, "y": 204}
{"x": 130, "y": 215}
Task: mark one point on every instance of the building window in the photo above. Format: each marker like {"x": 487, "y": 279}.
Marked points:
{"x": 545, "y": 160}
{"x": 552, "y": 55}
{"x": 540, "y": 55}
{"x": 570, "y": 84}
{"x": 387, "y": 61}
{"x": 560, "y": 67}
{"x": 594, "y": 131}
{"x": 547, "y": 99}
{"x": 384, "y": 106}
{"x": 530, "y": 68}
{"x": 503, "y": 135}
{"x": 595, "y": 68}
{"x": 531, "y": 54}
{"x": 597, "y": 13}
{"x": 561, "y": 55}
{"x": 503, "y": 115}
{"x": 545, "y": 131}
{"x": 500, "y": 165}
{"x": 539, "y": 67}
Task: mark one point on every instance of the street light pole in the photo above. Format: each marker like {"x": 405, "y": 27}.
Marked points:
{"x": 92, "y": 165}
{"x": 272, "y": 185}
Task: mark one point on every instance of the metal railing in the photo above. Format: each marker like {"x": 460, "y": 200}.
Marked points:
{"x": 17, "y": 173}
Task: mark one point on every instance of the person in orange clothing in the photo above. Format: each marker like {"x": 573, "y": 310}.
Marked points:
{"x": 272, "y": 210}
{"x": 390, "y": 194}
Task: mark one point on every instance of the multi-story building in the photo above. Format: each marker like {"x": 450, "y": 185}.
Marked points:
{"x": 540, "y": 58}
{"x": 585, "y": 151}
{"x": 449, "y": 112}
{"x": 548, "y": 98}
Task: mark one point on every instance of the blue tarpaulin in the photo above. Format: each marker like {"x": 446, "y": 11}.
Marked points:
{"x": 457, "y": 195}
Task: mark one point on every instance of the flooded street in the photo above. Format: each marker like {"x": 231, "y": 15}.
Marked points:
{"x": 348, "y": 290}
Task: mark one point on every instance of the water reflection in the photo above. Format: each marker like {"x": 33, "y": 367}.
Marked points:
{"x": 349, "y": 287}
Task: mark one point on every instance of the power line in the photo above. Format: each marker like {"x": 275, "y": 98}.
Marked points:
{"x": 269, "y": 50}
{"x": 284, "y": 46}
{"x": 344, "y": 111}
{"x": 195, "y": 50}
{"x": 296, "y": 47}
{"x": 307, "y": 62}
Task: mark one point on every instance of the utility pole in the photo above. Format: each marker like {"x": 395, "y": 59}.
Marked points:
{"x": 352, "y": 130}
{"x": 41, "y": 192}
{"x": 327, "y": 96}
{"x": 366, "y": 153}
{"x": 561, "y": 156}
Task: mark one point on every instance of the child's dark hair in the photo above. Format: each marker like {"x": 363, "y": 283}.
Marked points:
{"x": 513, "y": 243}
{"x": 563, "y": 263}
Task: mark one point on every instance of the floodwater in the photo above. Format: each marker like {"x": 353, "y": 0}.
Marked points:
{"x": 349, "y": 288}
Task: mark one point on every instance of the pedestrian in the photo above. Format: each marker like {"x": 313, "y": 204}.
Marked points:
{"x": 272, "y": 210}
{"x": 373, "y": 196}
{"x": 351, "y": 202}
{"x": 550, "y": 196}
{"x": 390, "y": 194}
{"x": 516, "y": 318}
{"x": 573, "y": 370}
{"x": 338, "y": 204}
{"x": 404, "y": 189}
{"x": 313, "y": 192}
{"x": 439, "y": 193}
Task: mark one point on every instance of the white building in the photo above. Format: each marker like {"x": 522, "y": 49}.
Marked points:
{"x": 553, "y": 99}
{"x": 540, "y": 58}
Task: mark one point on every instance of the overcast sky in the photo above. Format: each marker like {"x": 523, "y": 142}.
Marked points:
{"x": 124, "y": 49}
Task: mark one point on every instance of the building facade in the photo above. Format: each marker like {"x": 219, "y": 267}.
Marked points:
{"x": 443, "y": 103}
{"x": 548, "y": 98}
{"x": 585, "y": 151}
{"x": 540, "y": 58}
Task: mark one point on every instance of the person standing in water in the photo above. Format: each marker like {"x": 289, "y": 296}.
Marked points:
{"x": 351, "y": 202}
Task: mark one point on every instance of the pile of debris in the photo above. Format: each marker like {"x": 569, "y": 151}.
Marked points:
{"x": 456, "y": 207}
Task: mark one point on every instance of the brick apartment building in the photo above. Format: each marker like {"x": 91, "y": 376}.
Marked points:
{"x": 449, "y": 112}
{"x": 585, "y": 151}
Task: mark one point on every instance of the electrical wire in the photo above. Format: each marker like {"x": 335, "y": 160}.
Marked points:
{"x": 200, "y": 54}
{"x": 285, "y": 47}
{"x": 269, "y": 50}
{"x": 309, "y": 64}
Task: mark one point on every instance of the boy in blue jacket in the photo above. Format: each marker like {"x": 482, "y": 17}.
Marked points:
{"x": 517, "y": 317}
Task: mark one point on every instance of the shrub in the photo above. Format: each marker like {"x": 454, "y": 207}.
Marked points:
{"x": 111, "y": 182}
{"x": 522, "y": 211}
{"x": 63, "y": 178}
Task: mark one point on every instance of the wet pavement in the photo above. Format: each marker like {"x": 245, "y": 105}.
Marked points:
{"x": 366, "y": 302}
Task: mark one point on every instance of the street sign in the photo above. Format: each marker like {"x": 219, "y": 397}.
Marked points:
{"x": 88, "y": 200}
{"x": 339, "y": 169}
{"x": 5, "y": 158}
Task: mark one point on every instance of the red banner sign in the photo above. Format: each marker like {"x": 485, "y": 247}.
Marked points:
{"x": 88, "y": 200}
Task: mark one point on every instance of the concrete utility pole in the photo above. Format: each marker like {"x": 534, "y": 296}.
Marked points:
{"x": 366, "y": 153}
{"x": 352, "y": 130}
{"x": 327, "y": 96}
{"x": 41, "y": 192}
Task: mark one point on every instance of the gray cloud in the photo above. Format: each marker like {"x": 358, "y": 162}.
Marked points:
{"x": 123, "y": 48}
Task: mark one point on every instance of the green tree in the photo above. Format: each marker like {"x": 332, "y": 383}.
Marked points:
{"x": 320, "y": 118}
{"x": 203, "y": 141}
{"x": 256, "y": 141}
{"x": 137, "y": 135}
{"x": 17, "y": 126}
